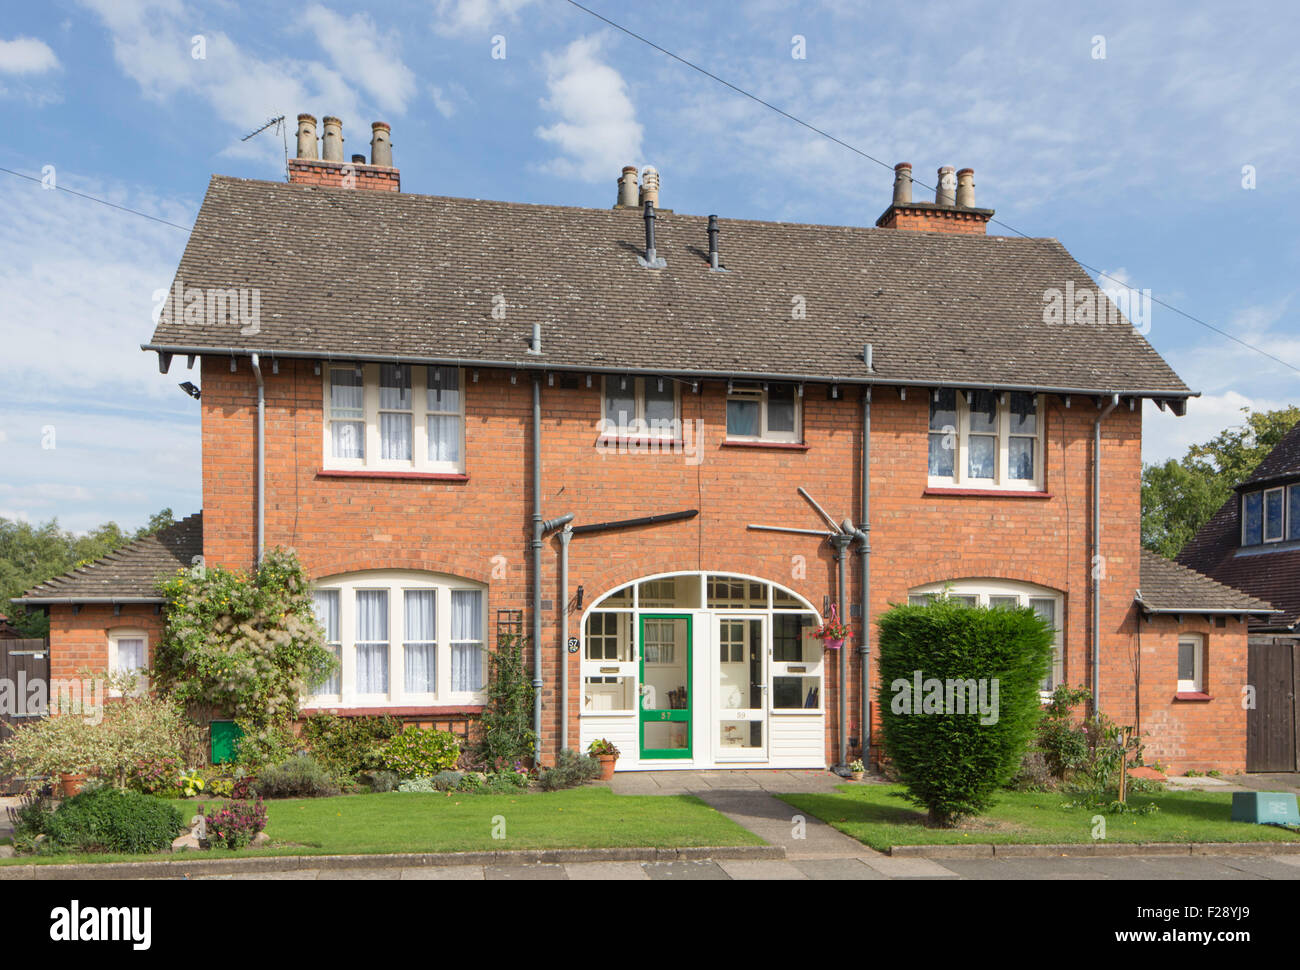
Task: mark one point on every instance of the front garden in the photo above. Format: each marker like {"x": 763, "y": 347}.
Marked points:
{"x": 133, "y": 775}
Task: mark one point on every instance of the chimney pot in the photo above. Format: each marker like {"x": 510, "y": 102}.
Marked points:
{"x": 966, "y": 188}
{"x": 381, "y": 144}
{"x": 306, "y": 136}
{"x": 945, "y": 190}
{"x": 902, "y": 183}
{"x": 332, "y": 142}
{"x": 650, "y": 186}
{"x": 627, "y": 189}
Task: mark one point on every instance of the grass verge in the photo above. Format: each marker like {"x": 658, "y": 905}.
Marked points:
{"x": 879, "y": 816}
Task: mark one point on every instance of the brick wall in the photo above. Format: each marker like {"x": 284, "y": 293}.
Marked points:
{"x": 79, "y": 641}
{"x": 352, "y": 175}
{"x": 344, "y": 524}
{"x": 1197, "y": 734}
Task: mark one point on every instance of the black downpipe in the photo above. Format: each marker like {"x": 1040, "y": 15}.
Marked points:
{"x": 631, "y": 523}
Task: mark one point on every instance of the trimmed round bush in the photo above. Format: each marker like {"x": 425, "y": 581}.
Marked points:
{"x": 958, "y": 699}
{"x": 110, "y": 820}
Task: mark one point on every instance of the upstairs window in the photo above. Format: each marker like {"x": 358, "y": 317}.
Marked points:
{"x": 640, "y": 407}
{"x": 762, "y": 412}
{"x": 985, "y": 439}
{"x": 1270, "y": 515}
{"x": 394, "y": 417}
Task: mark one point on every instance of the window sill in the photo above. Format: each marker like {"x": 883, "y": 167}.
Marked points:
{"x": 345, "y": 711}
{"x": 1192, "y": 695}
{"x": 985, "y": 492}
{"x": 376, "y": 473}
{"x": 775, "y": 445}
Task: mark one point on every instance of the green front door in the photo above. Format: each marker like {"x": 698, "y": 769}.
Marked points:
{"x": 665, "y": 685}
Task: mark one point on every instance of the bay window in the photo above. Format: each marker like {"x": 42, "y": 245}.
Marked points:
{"x": 402, "y": 638}
{"x": 1006, "y": 594}
{"x": 985, "y": 439}
{"x": 394, "y": 417}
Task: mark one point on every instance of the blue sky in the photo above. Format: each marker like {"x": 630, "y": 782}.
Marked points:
{"x": 1134, "y": 161}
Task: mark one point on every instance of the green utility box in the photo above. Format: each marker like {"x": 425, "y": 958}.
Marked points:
{"x": 1265, "y": 808}
{"x": 226, "y": 736}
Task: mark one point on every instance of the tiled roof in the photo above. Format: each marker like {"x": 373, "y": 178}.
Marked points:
{"x": 351, "y": 273}
{"x": 1282, "y": 462}
{"x": 1167, "y": 585}
{"x": 131, "y": 572}
{"x": 1270, "y": 572}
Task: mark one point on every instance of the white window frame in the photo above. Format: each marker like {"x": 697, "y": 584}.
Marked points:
{"x": 127, "y": 633}
{"x": 1281, "y": 535}
{"x": 1001, "y": 480}
{"x": 419, "y": 411}
{"x": 397, "y": 582}
{"x": 639, "y": 428}
{"x": 759, "y": 394}
{"x": 1025, "y": 593}
{"x": 1197, "y": 684}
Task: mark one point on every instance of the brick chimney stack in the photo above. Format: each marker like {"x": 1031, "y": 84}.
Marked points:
{"x": 331, "y": 170}
{"x": 953, "y": 208}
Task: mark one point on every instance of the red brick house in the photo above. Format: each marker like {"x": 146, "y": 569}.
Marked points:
{"x": 466, "y": 414}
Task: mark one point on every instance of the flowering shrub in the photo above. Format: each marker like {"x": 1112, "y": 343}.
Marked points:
{"x": 154, "y": 776}
{"x": 248, "y": 646}
{"x": 111, "y": 744}
{"x": 419, "y": 753}
{"x": 235, "y": 824}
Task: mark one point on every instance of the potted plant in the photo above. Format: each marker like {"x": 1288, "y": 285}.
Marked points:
{"x": 857, "y": 769}
{"x": 70, "y": 783}
{"x": 832, "y": 633}
{"x": 604, "y": 751}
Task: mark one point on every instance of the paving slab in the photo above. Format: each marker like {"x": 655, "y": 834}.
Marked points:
{"x": 543, "y": 870}
{"x": 766, "y": 870}
{"x": 802, "y": 836}
{"x": 836, "y": 869}
{"x": 608, "y": 871}
{"x": 443, "y": 874}
{"x": 288, "y": 875}
{"x": 1266, "y": 867}
{"x": 1165, "y": 868}
{"x": 1024, "y": 868}
{"x": 691, "y": 870}
{"x": 909, "y": 868}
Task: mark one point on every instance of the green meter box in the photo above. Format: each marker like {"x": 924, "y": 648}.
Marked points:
{"x": 1265, "y": 808}
{"x": 226, "y": 736}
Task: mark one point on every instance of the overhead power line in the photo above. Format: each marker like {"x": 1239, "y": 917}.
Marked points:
{"x": 111, "y": 205}
{"x": 872, "y": 158}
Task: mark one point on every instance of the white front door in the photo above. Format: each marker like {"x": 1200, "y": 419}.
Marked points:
{"x": 740, "y": 688}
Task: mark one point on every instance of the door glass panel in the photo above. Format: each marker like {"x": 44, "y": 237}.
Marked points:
{"x": 740, "y": 680}
{"x": 608, "y": 694}
{"x": 665, "y": 680}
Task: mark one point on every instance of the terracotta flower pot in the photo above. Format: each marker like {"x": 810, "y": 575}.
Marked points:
{"x": 607, "y": 762}
{"x": 70, "y": 783}
{"x": 858, "y": 775}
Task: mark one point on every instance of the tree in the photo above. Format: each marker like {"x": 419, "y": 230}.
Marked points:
{"x": 31, "y": 554}
{"x": 1179, "y": 496}
{"x": 958, "y": 699}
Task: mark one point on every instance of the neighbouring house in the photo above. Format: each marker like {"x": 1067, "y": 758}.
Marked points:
{"x": 7, "y": 630}
{"x": 1253, "y": 544}
{"x": 664, "y": 447}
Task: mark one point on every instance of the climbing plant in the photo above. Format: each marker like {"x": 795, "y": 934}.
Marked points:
{"x": 507, "y": 723}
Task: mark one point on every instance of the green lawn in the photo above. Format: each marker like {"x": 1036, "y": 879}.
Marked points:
{"x": 878, "y": 816}
{"x": 590, "y": 817}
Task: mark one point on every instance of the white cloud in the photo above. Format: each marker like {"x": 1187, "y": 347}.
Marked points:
{"x": 363, "y": 53}
{"x": 597, "y": 133}
{"x": 152, "y": 43}
{"x": 467, "y": 16}
{"x": 26, "y": 55}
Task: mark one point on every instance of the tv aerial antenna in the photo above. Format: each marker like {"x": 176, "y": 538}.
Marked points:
{"x": 284, "y": 134}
